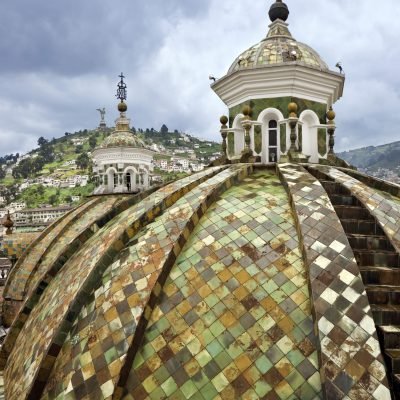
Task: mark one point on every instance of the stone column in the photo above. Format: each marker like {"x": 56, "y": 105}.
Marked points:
{"x": 133, "y": 180}
{"x": 293, "y": 120}
{"x": 146, "y": 180}
{"x": 247, "y": 153}
{"x": 330, "y": 115}
{"x": 224, "y": 134}
{"x": 294, "y": 153}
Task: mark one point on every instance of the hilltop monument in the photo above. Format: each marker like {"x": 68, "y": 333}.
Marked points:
{"x": 102, "y": 112}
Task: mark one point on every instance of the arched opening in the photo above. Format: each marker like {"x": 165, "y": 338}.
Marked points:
{"x": 272, "y": 140}
{"x": 130, "y": 175}
{"x": 270, "y": 119}
{"x": 128, "y": 182}
{"x": 309, "y": 146}
{"x": 112, "y": 179}
{"x": 238, "y": 134}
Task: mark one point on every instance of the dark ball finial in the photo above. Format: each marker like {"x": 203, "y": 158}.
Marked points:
{"x": 279, "y": 10}
{"x": 122, "y": 107}
{"x": 224, "y": 120}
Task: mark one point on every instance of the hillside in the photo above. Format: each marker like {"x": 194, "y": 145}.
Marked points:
{"x": 381, "y": 161}
{"x": 59, "y": 171}
{"x": 385, "y": 156}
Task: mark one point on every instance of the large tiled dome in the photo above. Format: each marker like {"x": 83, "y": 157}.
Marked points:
{"x": 234, "y": 283}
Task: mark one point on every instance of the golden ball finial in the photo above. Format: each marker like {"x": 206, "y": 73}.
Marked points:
{"x": 122, "y": 107}
{"x": 246, "y": 111}
{"x": 223, "y": 120}
{"x": 331, "y": 114}
{"x": 292, "y": 107}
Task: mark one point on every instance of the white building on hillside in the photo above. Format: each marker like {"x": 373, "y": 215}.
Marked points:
{"x": 44, "y": 214}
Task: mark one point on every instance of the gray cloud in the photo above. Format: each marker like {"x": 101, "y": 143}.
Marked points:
{"x": 60, "y": 61}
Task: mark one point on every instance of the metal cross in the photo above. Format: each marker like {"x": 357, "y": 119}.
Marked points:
{"x": 121, "y": 91}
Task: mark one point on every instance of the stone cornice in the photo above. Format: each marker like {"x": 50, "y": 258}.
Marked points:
{"x": 280, "y": 80}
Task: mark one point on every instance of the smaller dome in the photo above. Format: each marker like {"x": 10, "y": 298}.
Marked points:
{"x": 279, "y": 47}
{"x": 122, "y": 139}
{"x": 279, "y": 10}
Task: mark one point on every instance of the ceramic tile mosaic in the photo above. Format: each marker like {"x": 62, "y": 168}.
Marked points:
{"x": 350, "y": 357}
{"x": 25, "y": 268}
{"x": 119, "y": 309}
{"x": 76, "y": 228}
{"x": 30, "y": 362}
{"x": 14, "y": 246}
{"x": 72, "y": 239}
{"x": 27, "y": 264}
{"x": 376, "y": 183}
{"x": 386, "y": 212}
{"x": 234, "y": 320}
{"x": 275, "y": 49}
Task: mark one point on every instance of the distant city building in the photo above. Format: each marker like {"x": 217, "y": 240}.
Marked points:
{"x": 35, "y": 215}
{"x": 16, "y": 206}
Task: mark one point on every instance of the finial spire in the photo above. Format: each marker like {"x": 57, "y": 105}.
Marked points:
{"x": 121, "y": 94}
{"x": 121, "y": 91}
{"x": 279, "y": 10}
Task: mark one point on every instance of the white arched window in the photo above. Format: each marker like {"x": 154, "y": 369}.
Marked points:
{"x": 270, "y": 120}
{"x": 272, "y": 140}
{"x": 309, "y": 144}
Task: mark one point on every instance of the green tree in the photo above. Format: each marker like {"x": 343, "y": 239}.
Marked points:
{"x": 83, "y": 161}
{"x": 78, "y": 149}
{"x": 53, "y": 199}
{"x": 10, "y": 193}
{"x": 25, "y": 169}
{"x": 40, "y": 190}
{"x": 42, "y": 141}
{"x": 46, "y": 152}
{"x": 92, "y": 142}
{"x": 37, "y": 164}
{"x": 164, "y": 129}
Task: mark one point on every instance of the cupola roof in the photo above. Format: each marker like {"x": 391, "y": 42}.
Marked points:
{"x": 278, "y": 47}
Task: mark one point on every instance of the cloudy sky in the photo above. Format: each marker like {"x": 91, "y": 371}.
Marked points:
{"x": 60, "y": 60}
